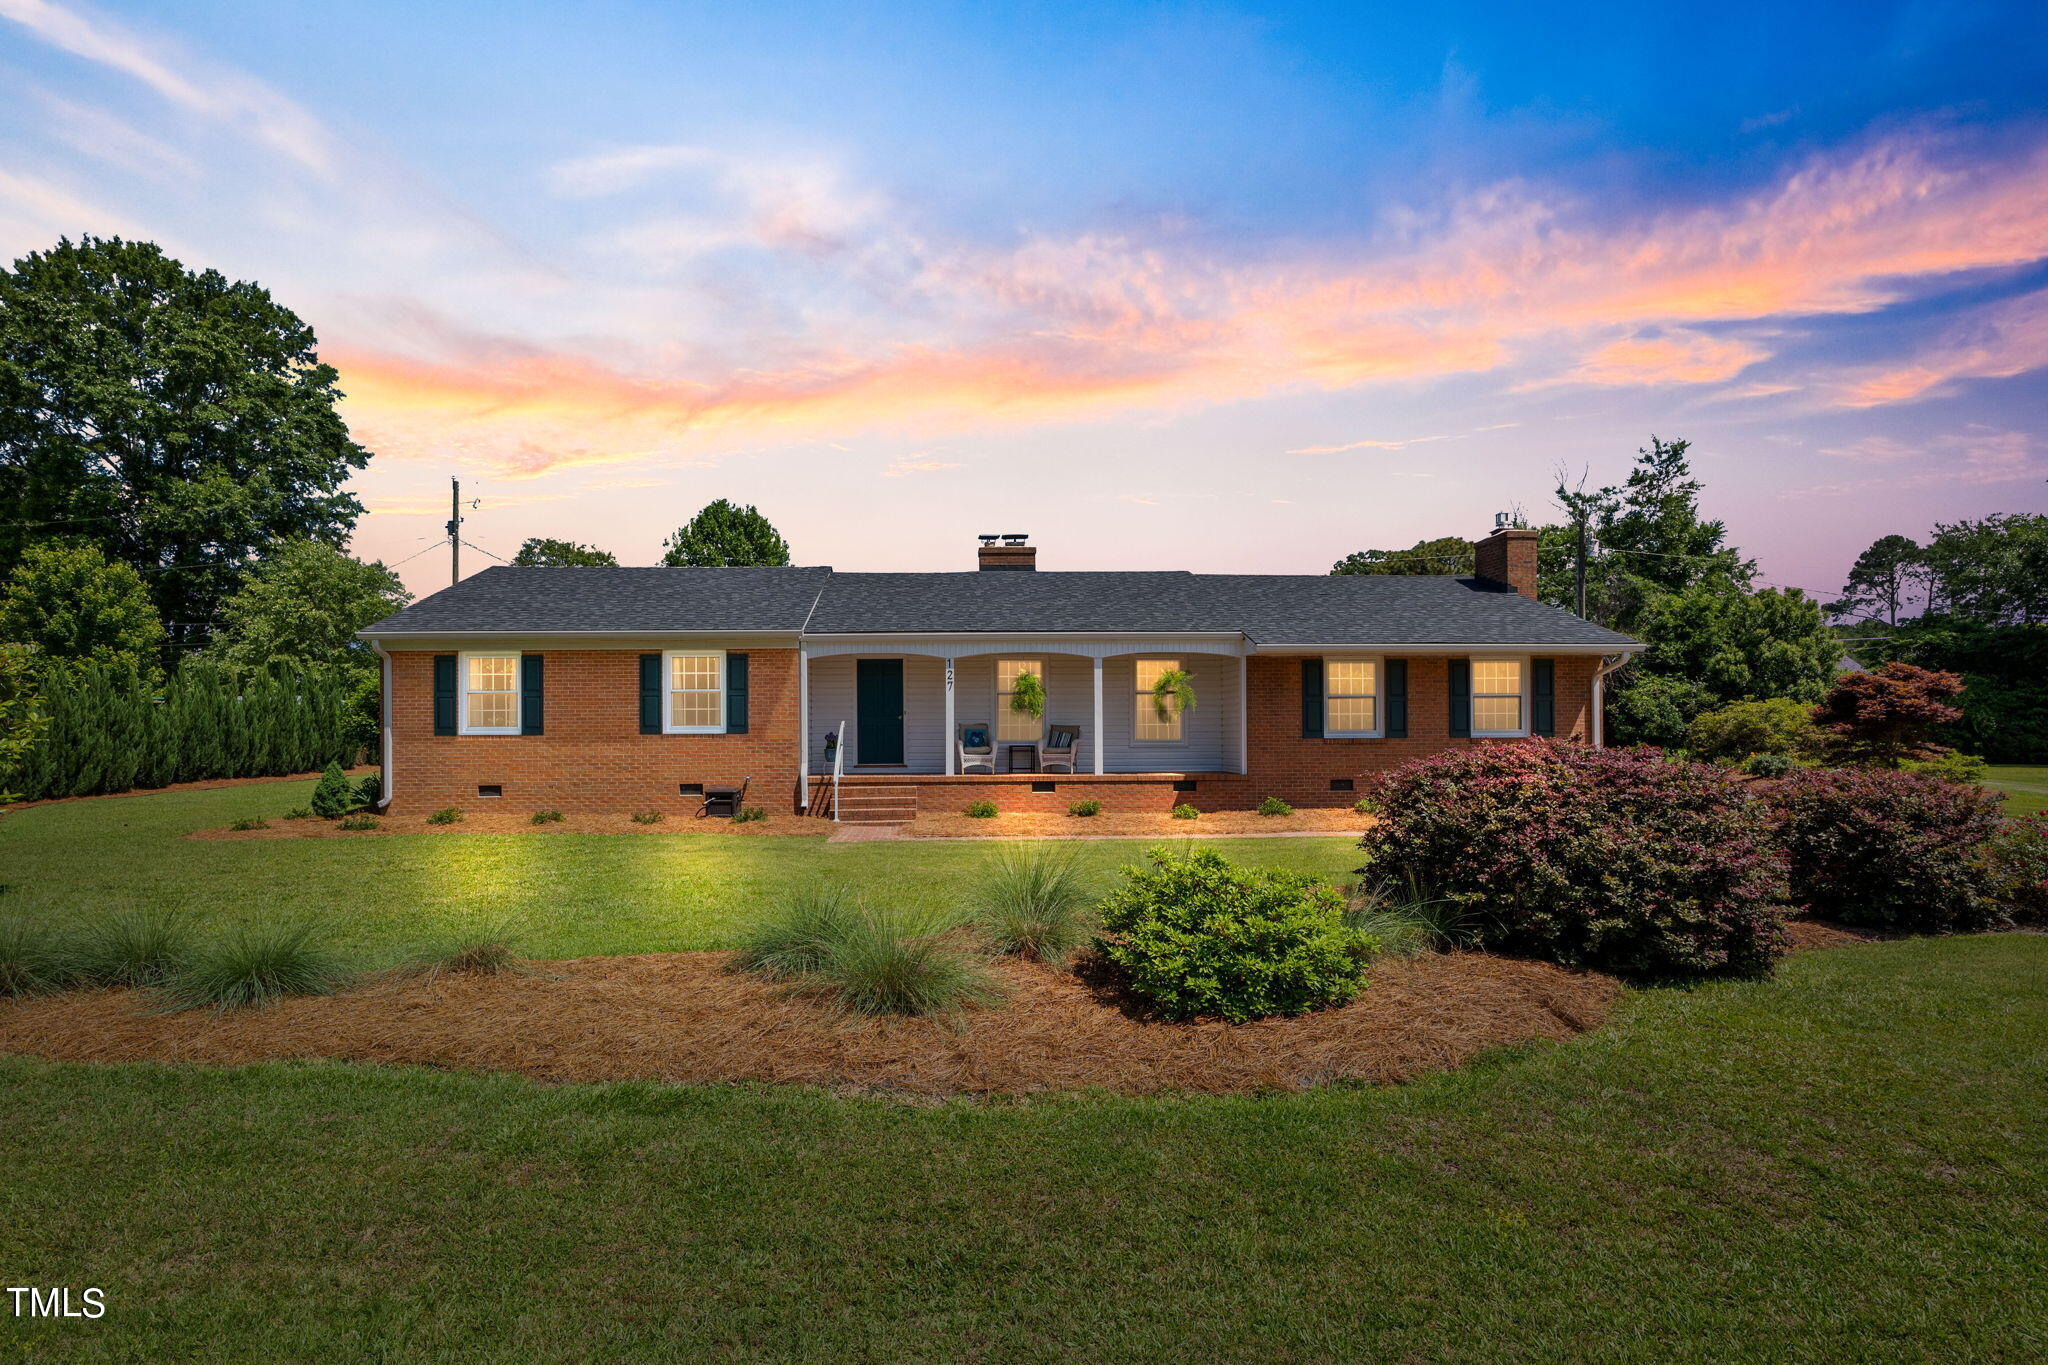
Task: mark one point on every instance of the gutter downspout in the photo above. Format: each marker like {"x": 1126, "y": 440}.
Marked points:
{"x": 384, "y": 730}
{"x": 1609, "y": 663}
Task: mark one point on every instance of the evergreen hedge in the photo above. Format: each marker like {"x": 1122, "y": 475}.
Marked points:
{"x": 113, "y": 727}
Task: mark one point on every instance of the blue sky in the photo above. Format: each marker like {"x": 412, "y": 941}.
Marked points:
{"x": 1169, "y": 286}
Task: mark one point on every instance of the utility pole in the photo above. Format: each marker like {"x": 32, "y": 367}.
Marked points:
{"x": 455, "y": 534}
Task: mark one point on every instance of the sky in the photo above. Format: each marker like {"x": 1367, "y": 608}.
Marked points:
{"x": 1163, "y": 286}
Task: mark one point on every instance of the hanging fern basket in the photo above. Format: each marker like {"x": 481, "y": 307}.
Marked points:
{"x": 1173, "y": 692}
{"x": 1028, "y": 696}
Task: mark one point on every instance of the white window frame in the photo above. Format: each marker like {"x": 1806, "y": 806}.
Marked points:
{"x": 463, "y": 689}
{"x": 1001, "y": 703}
{"x": 1378, "y": 695}
{"x": 1527, "y": 699}
{"x": 669, "y": 689}
{"x": 1141, "y": 697}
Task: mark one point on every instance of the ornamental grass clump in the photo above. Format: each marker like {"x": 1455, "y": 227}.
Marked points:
{"x": 141, "y": 946}
{"x": 1034, "y": 903}
{"x": 32, "y": 960}
{"x": 487, "y": 950}
{"x": 802, "y": 932}
{"x": 1889, "y": 850}
{"x": 829, "y": 942}
{"x": 1194, "y": 934}
{"x": 1617, "y": 859}
{"x": 249, "y": 966}
{"x": 1403, "y": 918}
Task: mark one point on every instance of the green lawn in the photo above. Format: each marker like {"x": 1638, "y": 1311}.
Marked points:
{"x": 1849, "y": 1161}
{"x": 572, "y": 894}
{"x": 2025, "y": 788}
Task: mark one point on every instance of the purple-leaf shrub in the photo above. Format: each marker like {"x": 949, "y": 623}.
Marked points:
{"x": 2017, "y": 859}
{"x": 1888, "y": 849}
{"x": 1608, "y": 858}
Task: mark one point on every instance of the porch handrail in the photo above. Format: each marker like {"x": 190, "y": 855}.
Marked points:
{"x": 838, "y": 767}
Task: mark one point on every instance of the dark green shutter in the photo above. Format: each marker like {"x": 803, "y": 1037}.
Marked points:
{"x": 735, "y": 694}
{"x": 529, "y": 694}
{"x": 1543, "y": 696}
{"x": 444, "y": 694}
{"x": 1311, "y": 698}
{"x": 650, "y": 694}
{"x": 1461, "y": 698}
{"x": 1397, "y": 699}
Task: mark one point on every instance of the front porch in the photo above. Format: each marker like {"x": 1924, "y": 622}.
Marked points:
{"x": 886, "y": 798}
{"x": 897, "y": 712}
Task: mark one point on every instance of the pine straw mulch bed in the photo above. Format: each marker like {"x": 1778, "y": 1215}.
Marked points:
{"x": 1131, "y": 824}
{"x": 681, "y": 1017}
{"x": 521, "y": 822}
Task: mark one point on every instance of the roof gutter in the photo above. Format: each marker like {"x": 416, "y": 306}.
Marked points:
{"x": 1524, "y": 647}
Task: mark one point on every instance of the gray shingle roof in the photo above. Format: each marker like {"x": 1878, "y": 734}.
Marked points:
{"x": 620, "y": 600}
{"x": 1273, "y": 609}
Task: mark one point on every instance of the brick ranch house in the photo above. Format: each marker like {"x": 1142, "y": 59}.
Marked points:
{"x": 626, "y": 689}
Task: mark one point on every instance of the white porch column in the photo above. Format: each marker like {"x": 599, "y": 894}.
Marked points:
{"x": 803, "y": 728}
{"x": 1095, "y": 739}
{"x": 952, "y": 730}
{"x": 1244, "y": 711}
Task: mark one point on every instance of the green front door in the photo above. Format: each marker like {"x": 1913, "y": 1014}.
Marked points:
{"x": 878, "y": 711}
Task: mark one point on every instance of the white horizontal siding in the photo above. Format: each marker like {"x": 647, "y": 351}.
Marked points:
{"x": 924, "y": 712}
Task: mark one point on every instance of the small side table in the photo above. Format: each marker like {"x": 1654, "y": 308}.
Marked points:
{"x": 1022, "y": 758}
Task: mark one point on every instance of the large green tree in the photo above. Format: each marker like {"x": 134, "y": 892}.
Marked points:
{"x": 70, "y": 601}
{"x": 179, "y": 420}
{"x": 1881, "y": 582}
{"x": 539, "y": 552}
{"x": 1444, "y": 555}
{"x": 302, "y": 605}
{"x": 22, "y": 720}
{"x": 1994, "y": 570}
{"x": 725, "y": 534}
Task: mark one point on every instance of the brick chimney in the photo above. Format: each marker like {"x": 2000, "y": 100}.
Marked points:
{"x": 1006, "y": 550}
{"x": 1509, "y": 556}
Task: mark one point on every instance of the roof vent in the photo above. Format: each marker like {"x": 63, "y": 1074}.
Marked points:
{"x": 1007, "y": 550}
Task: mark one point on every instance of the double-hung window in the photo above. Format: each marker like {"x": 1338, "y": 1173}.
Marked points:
{"x": 1500, "y": 708}
{"x": 1014, "y": 726}
{"x": 1146, "y": 721}
{"x": 1351, "y": 698}
{"x": 696, "y": 692}
{"x": 490, "y": 694}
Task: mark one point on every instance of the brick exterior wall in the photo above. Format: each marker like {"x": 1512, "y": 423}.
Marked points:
{"x": 593, "y": 757}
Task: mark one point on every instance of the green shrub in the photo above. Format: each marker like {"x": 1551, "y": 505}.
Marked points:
{"x": 2016, "y": 863}
{"x": 1949, "y": 766}
{"x": 447, "y": 815}
{"x": 1731, "y": 733}
{"x": 1195, "y": 935}
{"x": 1611, "y": 858}
{"x": 802, "y": 932}
{"x": 646, "y": 817}
{"x": 981, "y": 810}
{"x": 369, "y": 791}
{"x": 334, "y": 795}
{"x": 132, "y": 947}
{"x": 250, "y": 822}
{"x": 253, "y": 965}
{"x": 362, "y": 822}
{"x": 1186, "y": 812}
{"x": 548, "y": 817}
{"x": 746, "y": 815}
{"x": 1273, "y": 805}
{"x": 299, "y": 813}
{"x": 32, "y": 959}
{"x": 1768, "y": 765}
{"x": 1087, "y": 807}
{"x": 1365, "y": 805}
{"x": 1033, "y": 903}
{"x": 888, "y": 970}
{"x": 1892, "y": 850}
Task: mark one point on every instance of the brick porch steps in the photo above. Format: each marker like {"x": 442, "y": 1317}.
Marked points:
{"x": 878, "y": 804}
